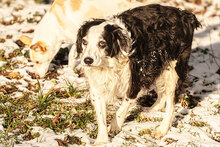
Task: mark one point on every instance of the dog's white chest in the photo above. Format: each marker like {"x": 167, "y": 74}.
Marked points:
{"x": 108, "y": 83}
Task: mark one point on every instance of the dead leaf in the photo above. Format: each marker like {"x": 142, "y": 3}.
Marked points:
{"x": 60, "y": 142}
{"x": 20, "y": 43}
{"x": 3, "y": 90}
{"x": 30, "y": 105}
{"x": 14, "y": 75}
{"x": 170, "y": 140}
{"x": 29, "y": 31}
{"x": 198, "y": 105}
{"x": 55, "y": 120}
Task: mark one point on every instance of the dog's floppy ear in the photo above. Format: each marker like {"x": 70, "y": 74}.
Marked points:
{"x": 82, "y": 32}
{"x": 118, "y": 40}
{"x": 26, "y": 40}
{"x": 39, "y": 47}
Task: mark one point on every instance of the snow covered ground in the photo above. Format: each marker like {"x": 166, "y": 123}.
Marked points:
{"x": 196, "y": 124}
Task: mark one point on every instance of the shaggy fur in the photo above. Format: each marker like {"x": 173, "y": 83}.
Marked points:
{"x": 125, "y": 55}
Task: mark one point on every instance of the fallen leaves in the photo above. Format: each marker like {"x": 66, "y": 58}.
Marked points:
{"x": 70, "y": 140}
{"x": 29, "y": 31}
{"x": 20, "y": 43}
{"x": 2, "y": 40}
{"x": 170, "y": 140}
{"x": 14, "y": 75}
{"x": 55, "y": 120}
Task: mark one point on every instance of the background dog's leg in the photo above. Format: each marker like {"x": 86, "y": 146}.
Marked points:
{"x": 120, "y": 115}
{"x": 171, "y": 79}
{"x": 100, "y": 109}
{"x": 73, "y": 61}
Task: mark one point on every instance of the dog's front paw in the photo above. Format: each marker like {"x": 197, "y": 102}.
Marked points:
{"x": 101, "y": 139}
{"x": 158, "y": 133}
{"x": 100, "y": 142}
{"x": 114, "y": 128}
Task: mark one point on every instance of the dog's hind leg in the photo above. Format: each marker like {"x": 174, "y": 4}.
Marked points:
{"x": 171, "y": 78}
{"x": 160, "y": 102}
{"x": 120, "y": 115}
{"x": 100, "y": 109}
{"x": 182, "y": 70}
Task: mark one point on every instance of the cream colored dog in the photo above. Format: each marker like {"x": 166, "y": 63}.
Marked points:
{"x": 61, "y": 23}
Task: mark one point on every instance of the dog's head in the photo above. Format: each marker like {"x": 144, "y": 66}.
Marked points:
{"x": 38, "y": 54}
{"x": 99, "y": 40}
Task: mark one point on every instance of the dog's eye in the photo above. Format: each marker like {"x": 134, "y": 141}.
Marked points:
{"x": 102, "y": 44}
{"x": 37, "y": 62}
{"x": 84, "y": 42}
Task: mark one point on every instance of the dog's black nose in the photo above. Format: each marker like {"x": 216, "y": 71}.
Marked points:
{"x": 88, "y": 60}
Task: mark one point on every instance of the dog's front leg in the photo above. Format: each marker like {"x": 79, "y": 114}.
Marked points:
{"x": 120, "y": 115}
{"x": 100, "y": 109}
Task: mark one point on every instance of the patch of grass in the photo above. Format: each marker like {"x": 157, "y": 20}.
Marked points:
{"x": 30, "y": 135}
{"x": 134, "y": 114}
{"x": 143, "y": 132}
{"x": 16, "y": 19}
{"x": 170, "y": 140}
{"x": 131, "y": 139}
{"x": 19, "y": 8}
{"x": 45, "y": 122}
{"x": 44, "y": 100}
{"x": 199, "y": 123}
{"x": 185, "y": 100}
{"x": 2, "y": 53}
{"x": 72, "y": 91}
{"x": 15, "y": 53}
{"x": 146, "y": 119}
{"x": 81, "y": 119}
{"x": 70, "y": 140}
{"x": 93, "y": 133}
{"x": 9, "y": 88}
{"x": 218, "y": 109}
{"x": 20, "y": 115}
{"x": 51, "y": 75}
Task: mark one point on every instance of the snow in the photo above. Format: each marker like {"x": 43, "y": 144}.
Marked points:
{"x": 207, "y": 86}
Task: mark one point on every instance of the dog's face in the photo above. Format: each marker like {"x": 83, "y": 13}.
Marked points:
{"x": 98, "y": 42}
{"x": 39, "y": 54}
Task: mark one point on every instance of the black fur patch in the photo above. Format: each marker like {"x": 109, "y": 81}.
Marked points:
{"x": 82, "y": 32}
{"x": 161, "y": 34}
{"x": 115, "y": 39}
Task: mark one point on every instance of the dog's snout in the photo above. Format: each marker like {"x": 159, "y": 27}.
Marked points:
{"x": 88, "y": 60}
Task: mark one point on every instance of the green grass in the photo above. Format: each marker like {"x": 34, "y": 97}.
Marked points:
{"x": 15, "y": 112}
{"x": 72, "y": 91}
{"x": 143, "y": 132}
{"x": 199, "y": 123}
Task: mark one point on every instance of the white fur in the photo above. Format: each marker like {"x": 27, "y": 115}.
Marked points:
{"x": 106, "y": 84}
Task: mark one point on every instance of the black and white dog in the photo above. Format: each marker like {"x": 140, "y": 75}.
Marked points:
{"x": 125, "y": 55}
